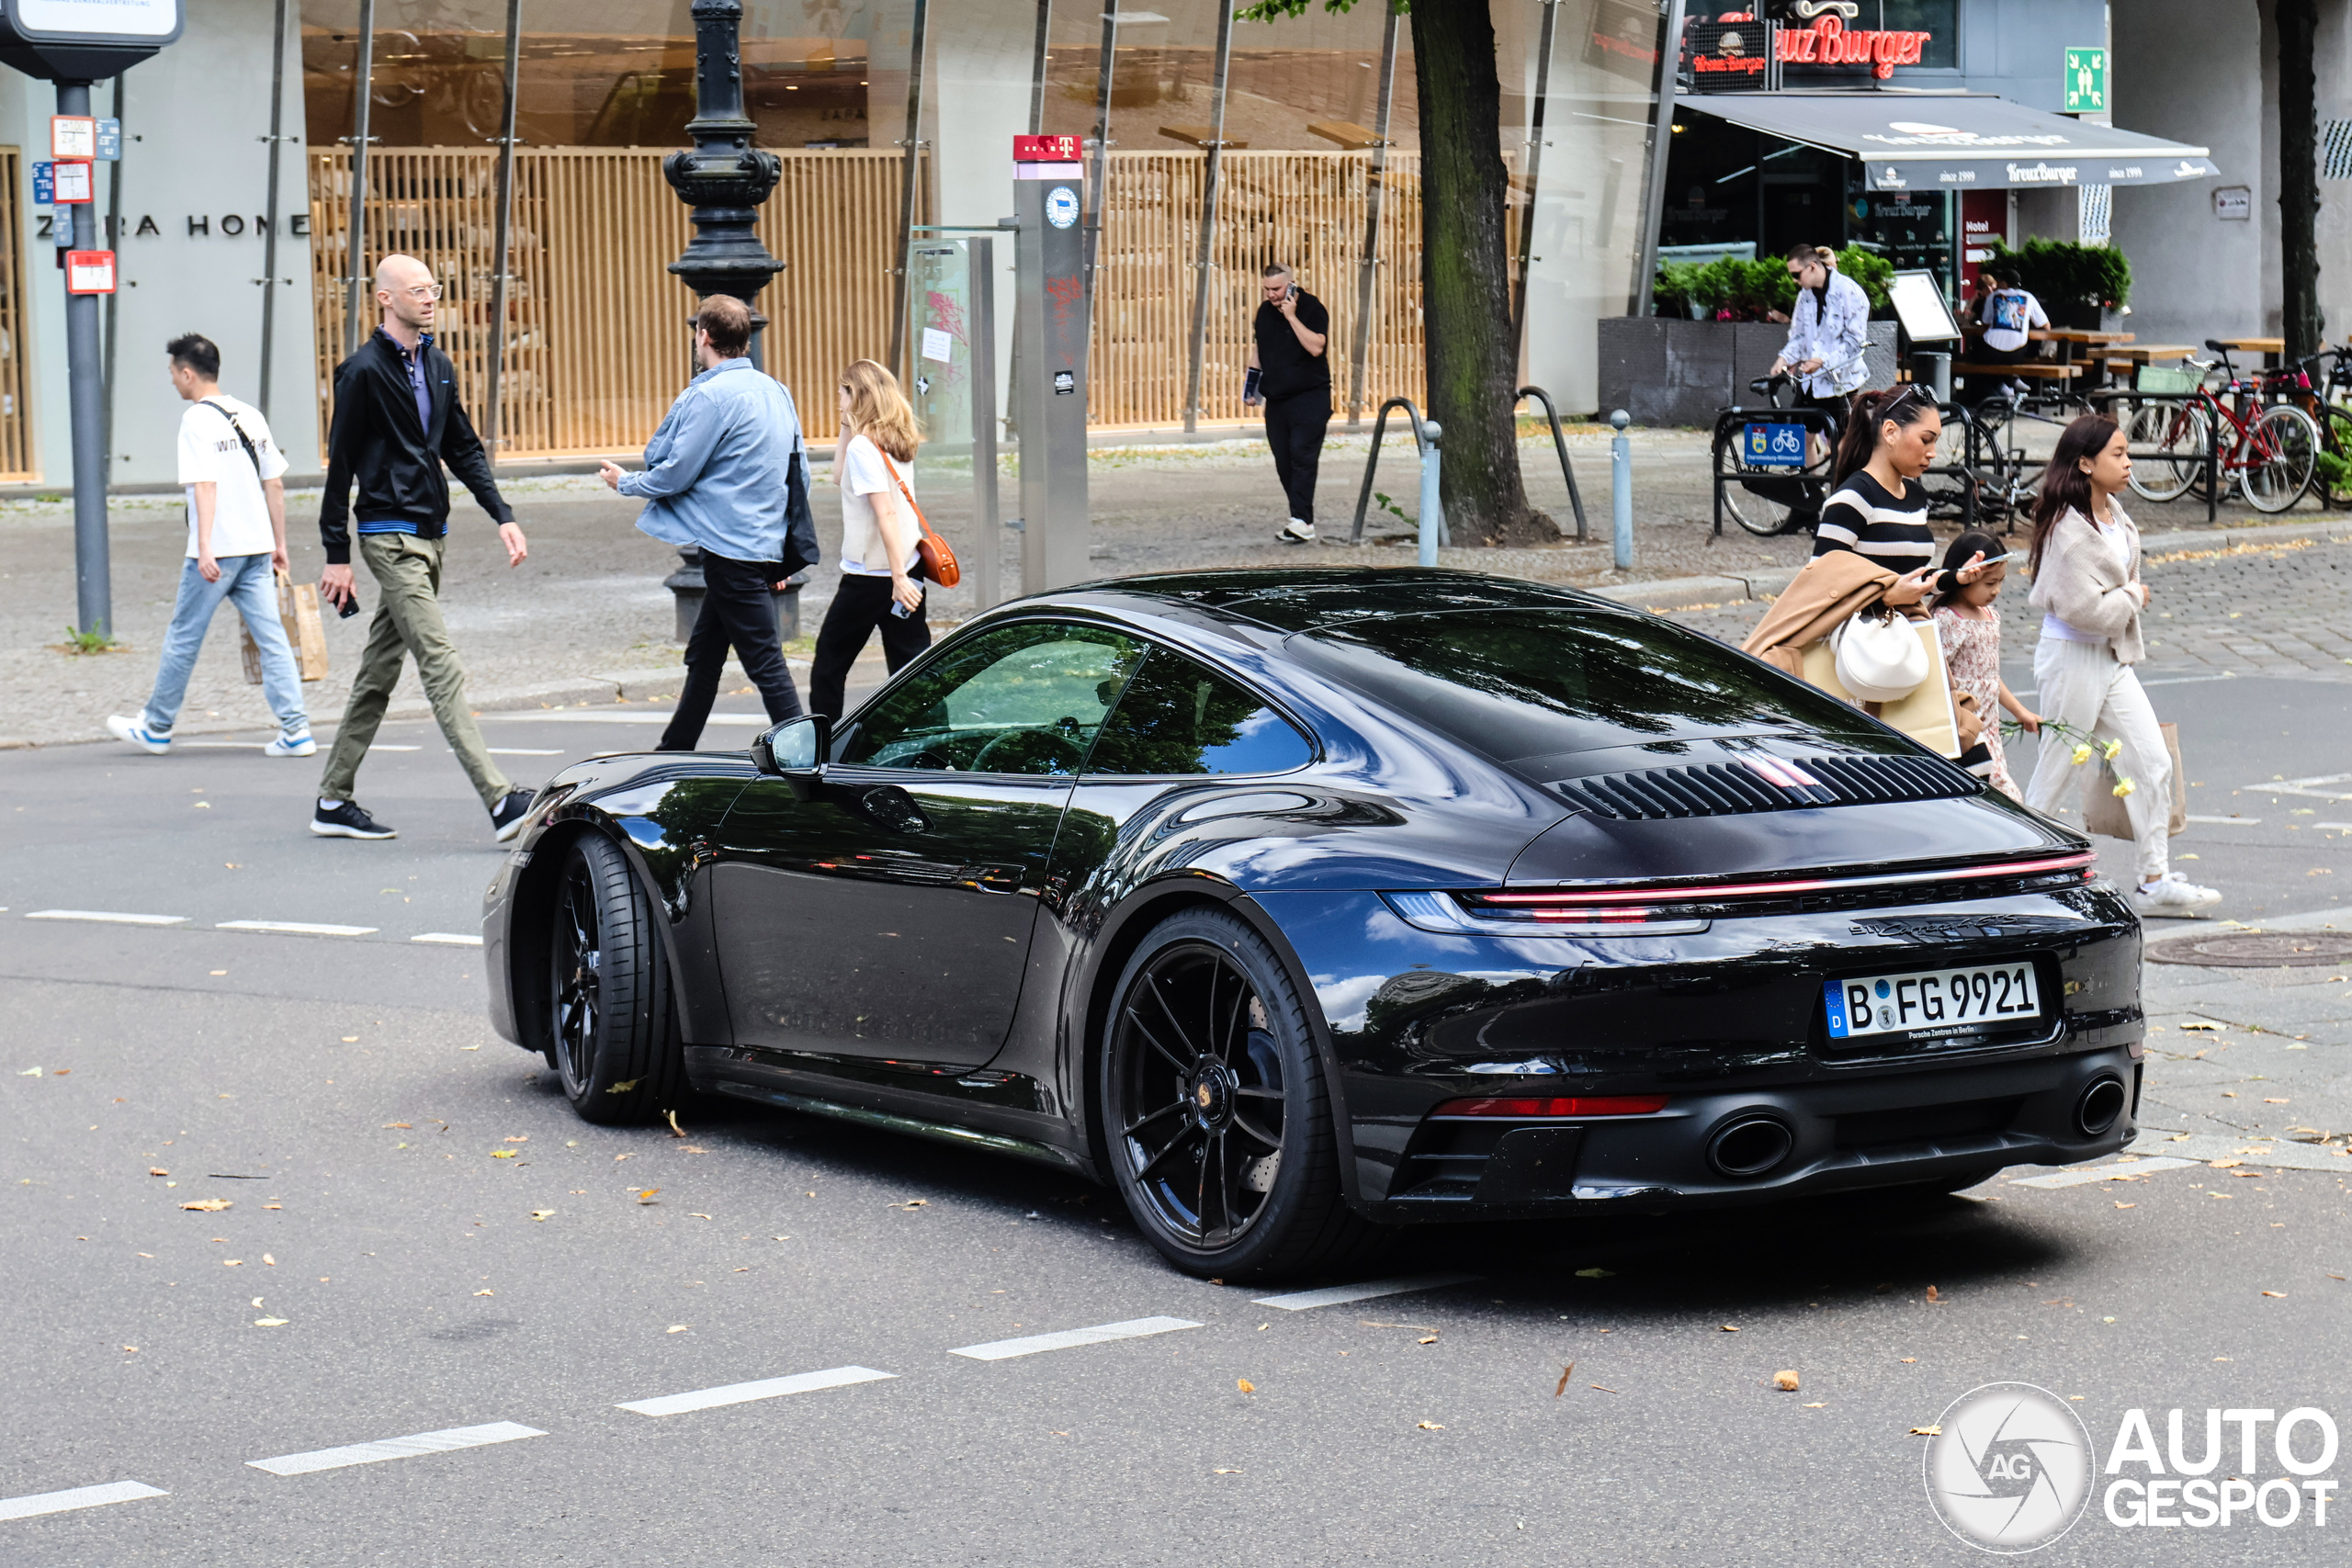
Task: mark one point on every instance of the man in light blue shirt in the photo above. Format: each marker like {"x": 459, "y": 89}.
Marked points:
{"x": 717, "y": 475}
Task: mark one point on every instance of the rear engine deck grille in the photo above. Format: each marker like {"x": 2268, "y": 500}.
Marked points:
{"x": 1765, "y": 783}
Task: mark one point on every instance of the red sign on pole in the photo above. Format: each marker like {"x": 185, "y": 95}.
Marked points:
{"x": 72, "y": 136}
{"x": 89, "y": 272}
{"x": 1045, "y": 149}
{"x": 70, "y": 183}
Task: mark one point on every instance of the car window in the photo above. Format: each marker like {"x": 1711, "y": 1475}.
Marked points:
{"x": 1027, "y": 698}
{"x": 1176, "y": 716}
{"x": 1526, "y": 686}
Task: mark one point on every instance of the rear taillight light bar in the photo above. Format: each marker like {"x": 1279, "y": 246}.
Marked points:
{"x": 1584, "y": 902}
{"x": 1549, "y": 1106}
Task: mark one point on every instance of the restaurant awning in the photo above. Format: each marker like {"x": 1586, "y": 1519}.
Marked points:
{"x": 1959, "y": 141}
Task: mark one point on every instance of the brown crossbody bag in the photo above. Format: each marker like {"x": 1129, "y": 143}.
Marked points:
{"x": 938, "y": 558}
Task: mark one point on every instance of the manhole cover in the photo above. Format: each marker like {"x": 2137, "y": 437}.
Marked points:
{"x": 2255, "y": 949}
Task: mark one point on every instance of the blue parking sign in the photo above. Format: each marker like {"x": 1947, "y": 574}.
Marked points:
{"x": 1774, "y": 447}
{"x": 44, "y": 184}
{"x": 109, "y": 140}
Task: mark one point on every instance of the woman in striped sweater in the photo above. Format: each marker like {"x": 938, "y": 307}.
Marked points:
{"x": 1877, "y": 508}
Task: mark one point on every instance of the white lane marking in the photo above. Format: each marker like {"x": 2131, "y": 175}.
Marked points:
{"x": 396, "y": 1448}
{"x": 2335, "y": 827}
{"x": 448, "y": 939}
{"x": 2230, "y": 822}
{"x": 2101, "y": 1173}
{"x": 744, "y": 1393}
{"x": 753, "y": 720}
{"x": 1338, "y": 1295}
{"x": 2309, "y": 787}
{"x": 294, "y": 928}
{"x": 1103, "y": 1334}
{"x": 77, "y": 1497}
{"x": 107, "y": 917}
{"x": 379, "y": 746}
{"x": 516, "y": 750}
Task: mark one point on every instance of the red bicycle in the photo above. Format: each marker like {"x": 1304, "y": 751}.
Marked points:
{"x": 2270, "y": 450}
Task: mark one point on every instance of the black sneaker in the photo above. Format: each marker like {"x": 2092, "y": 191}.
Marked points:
{"x": 348, "y": 821}
{"x": 506, "y": 817}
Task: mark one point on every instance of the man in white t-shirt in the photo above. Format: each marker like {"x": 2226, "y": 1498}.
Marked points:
{"x": 236, "y": 545}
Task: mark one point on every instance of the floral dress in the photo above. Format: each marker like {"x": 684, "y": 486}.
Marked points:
{"x": 1972, "y": 653}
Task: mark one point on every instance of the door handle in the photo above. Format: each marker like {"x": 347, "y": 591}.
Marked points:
{"x": 993, "y": 878}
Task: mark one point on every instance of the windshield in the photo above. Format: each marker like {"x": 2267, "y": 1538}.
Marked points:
{"x": 1524, "y": 685}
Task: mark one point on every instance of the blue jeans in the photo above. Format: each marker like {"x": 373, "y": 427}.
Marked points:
{"x": 248, "y": 581}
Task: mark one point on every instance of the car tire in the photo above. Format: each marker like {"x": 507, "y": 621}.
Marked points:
{"x": 1216, "y": 1114}
{"x": 612, "y": 1028}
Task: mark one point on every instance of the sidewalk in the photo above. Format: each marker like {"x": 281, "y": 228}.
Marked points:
{"x": 586, "y": 619}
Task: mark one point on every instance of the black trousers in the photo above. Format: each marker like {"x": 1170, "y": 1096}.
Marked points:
{"x": 861, "y": 607}
{"x": 1294, "y": 428}
{"x": 738, "y": 608}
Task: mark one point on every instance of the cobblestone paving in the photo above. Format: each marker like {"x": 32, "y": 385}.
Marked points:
{"x": 2282, "y": 609}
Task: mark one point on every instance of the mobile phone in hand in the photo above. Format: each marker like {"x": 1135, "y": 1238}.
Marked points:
{"x": 349, "y": 605}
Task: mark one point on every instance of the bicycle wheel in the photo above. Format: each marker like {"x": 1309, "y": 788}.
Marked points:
{"x": 1950, "y": 481}
{"x": 2282, "y": 454}
{"x": 2167, "y": 446}
{"x": 2335, "y": 479}
{"x": 1758, "y": 501}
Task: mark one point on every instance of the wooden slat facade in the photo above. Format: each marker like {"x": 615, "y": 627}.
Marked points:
{"x": 596, "y": 346}
{"x": 16, "y": 459}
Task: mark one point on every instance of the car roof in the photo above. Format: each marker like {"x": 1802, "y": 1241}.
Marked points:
{"x": 1306, "y": 600}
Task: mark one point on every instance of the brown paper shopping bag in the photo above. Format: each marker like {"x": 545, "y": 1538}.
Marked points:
{"x": 2103, "y": 810}
{"x": 306, "y": 630}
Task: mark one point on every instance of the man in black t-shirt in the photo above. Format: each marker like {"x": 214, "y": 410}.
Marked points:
{"x": 1290, "y": 374}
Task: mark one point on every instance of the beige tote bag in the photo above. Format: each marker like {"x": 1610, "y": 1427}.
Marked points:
{"x": 306, "y": 630}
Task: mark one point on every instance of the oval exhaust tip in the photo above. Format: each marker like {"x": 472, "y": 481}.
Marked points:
{"x": 2102, "y": 1103}
{"x": 1750, "y": 1146}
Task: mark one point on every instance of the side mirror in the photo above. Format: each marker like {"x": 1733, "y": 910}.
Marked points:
{"x": 795, "y": 752}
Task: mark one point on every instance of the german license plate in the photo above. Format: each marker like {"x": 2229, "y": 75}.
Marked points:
{"x": 1942, "y": 1000}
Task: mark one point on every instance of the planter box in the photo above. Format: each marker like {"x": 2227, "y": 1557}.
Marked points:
{"x": 2083, "y": 318}
{"x": 1664, "y": 371}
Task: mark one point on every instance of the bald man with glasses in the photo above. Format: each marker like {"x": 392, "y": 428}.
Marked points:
{"x": 397, "y": 421}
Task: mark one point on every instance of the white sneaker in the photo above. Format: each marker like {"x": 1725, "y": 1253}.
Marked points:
{"x": 136, "y": 732}
{"x": 1298, "y": 533}
{"x": 2174, "y": 897}
{"x": 291, "y": 746}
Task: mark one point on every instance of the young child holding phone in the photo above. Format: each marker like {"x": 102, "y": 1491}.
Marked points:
{"x": 1967, "y": 622}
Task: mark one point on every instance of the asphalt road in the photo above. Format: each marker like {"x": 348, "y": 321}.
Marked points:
{"x": 404, "y": 1253}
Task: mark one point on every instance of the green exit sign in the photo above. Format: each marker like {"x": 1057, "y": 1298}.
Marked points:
{"x": 2086, "y": 81}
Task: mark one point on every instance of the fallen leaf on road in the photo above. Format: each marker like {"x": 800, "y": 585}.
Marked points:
{"x": 231, "y": 1262}
{"x": 1933, "y": 1294}
{"x": 1731, "y": 1328}
{"x": 622, "y": 1088}
{"x": 1431, "y": 1340}
{"x": 2280, "y": 1294}
{"x": 131, "y": 1349}
{"x": 1595, "y": 1385}
{"x": 29, "y": 1072}
{"x": 485, "y": 1292}
{"x": 909, "y": 1204}
{"x": 695, "y": 1216}
{"x": 617, "y": 1158}
{"x": 1428, "y": 1427}
{"x": 1786, "y": 1381}
{"x": 2205, "y": 1024}
{"x": 2223, "y": 1163}
{"x": 1596, "y": 1273}
{"x": 351, "y": 1040}
{"x": 647, "y": 1196}
{"x": 505, "y": 1154}
{"x": 266, "y": 1257}
{"x": 1564, "y": 1379}
{"x": 1211, "y": 1472}
{"x": 157, "y": 1171}
{"x": 400, "y": 1125}
{"x": 675, "y": 1131}
{"x": 1910, "y": 1360}
{"x": 210, "y": 1206}
{"x": 678, "y": 1328}
{"x": 1245, "y": 1385}
{"x": 62, "y": 1072}
{"x": 270, "y": 1323}
{"x": 1927, "y": 1431}
{"x": 518, "y": 1137}
{"x": 542, "y": 1213}
{"x": 2278, "y": 1102}
{"x": 2127, "y": 1205}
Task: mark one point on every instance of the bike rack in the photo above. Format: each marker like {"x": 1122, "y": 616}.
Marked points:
{"x": 1420, "y": 443}
{"x": 1560, "y": 443}
{"x": 1815, "y": 422}
{"x": 2105, "y": 402}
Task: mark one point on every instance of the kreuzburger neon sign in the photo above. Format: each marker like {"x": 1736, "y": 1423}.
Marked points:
{"x": 1828, "y": 42}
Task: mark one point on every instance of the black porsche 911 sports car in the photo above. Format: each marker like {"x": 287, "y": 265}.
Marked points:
{"x": 1299, "y": 905}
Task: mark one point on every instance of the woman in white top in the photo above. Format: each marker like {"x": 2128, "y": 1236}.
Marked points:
{"x": 2086, "y": 565}
{"x": 873, "y": 465}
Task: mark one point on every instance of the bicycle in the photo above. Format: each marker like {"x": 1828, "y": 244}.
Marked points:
{"x": 1765, "y": 472}
{"x": 2271, "y": 453}
{"x": 2327, "y": 397}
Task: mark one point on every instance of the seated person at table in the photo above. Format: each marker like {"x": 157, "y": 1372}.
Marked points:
{"x": 2009, "y": 313}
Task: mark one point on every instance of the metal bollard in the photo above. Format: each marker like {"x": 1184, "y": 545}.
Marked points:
{"x": 1620, "y": 490}
{"x": 1433, "y": 516}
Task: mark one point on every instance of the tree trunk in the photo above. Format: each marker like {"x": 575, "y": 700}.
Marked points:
{"x": 1466, "y": 290}
{"x": 2305, "y": 329}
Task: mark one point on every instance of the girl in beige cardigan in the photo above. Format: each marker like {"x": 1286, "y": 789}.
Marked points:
{"x": 2086, "y": 564}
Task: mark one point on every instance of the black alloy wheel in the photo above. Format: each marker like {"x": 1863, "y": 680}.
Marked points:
{"x": 1216, "y": 1112}
{"x": 613, "y": 1032}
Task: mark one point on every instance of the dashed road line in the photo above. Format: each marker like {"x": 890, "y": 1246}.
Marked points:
{"x": 76, "y": 1497}
{"x": 107, "y": 917}
{"x": 1338, "y": 1295}
{"x": 519, "y": 751}
{"x": 293, "y": 928}
{"x": 409, "y": 1447}
{"x": 1103, "y": 1334}
{"x": 2091, "y": 1173}
{"x": 744, "y": 1393}
{"x": 448, "y": 939}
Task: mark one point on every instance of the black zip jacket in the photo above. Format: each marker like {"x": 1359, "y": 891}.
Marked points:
{"x": 375, "y": 439}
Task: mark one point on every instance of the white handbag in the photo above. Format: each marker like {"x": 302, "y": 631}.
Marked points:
{"x": 1881, "y": 658}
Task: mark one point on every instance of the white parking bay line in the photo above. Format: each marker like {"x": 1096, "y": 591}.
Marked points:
{"x": 78, "y": 1497}
{"x": 396, "y": 1448}
{"x": 520, "y": 751}
{"x": 294, "y": 928}
{"x": 2101, "y": 1173}
{"x": 1338, "y": 1295}
{"x": 448, "y": 939}
{"x": 744, "y": 1393}
{"x": 107, "y": 917}
{"x": 753, "y": 720}
{"x": 2229, "y": 821}
{"x": 1136, "y": 1328}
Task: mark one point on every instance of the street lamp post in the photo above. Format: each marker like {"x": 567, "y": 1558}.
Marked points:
{"x": 723, "y": 180}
